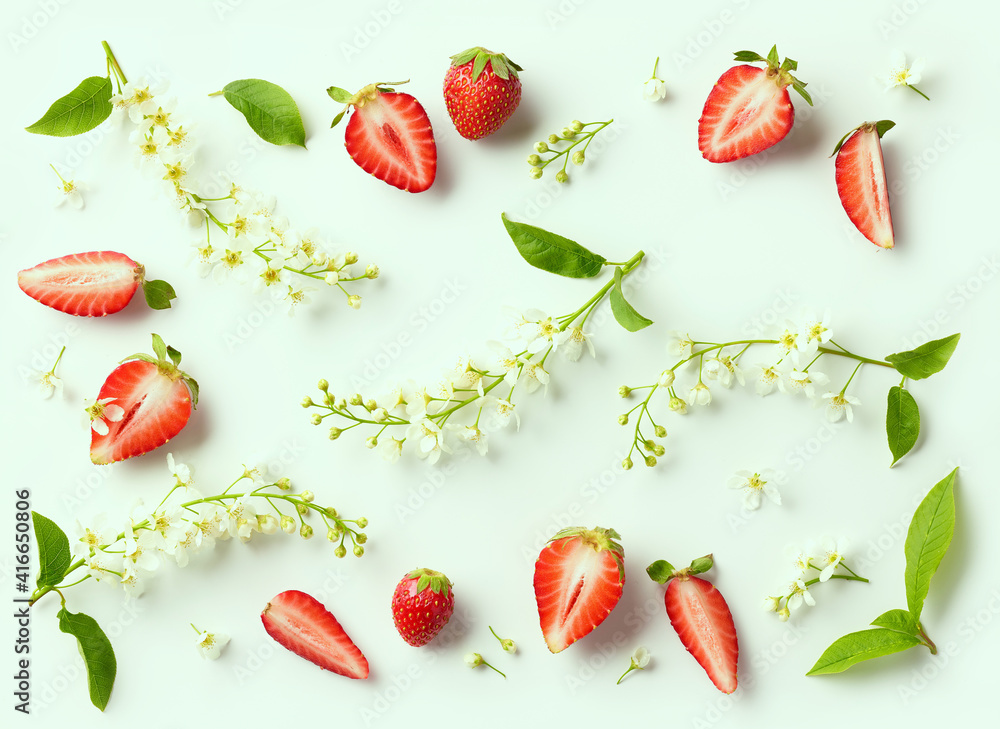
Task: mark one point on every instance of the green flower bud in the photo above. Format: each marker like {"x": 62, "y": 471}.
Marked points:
{"x": 371, "y": 442}
{"x": 339, "y": 552}
{"x": 323, "y": 385}
{"x": 358, "y": 550}
{"x": 361, "y": 538}
{"x": 553, "y": 138}
{"x": 350, "y": 257}
{"x": 371, "y": 271}
{"x": 576, "y": 125}
{"x": 335, "y": 433}
{"x": 627, "y": 464}
{"x": 659, "y": 450}
{"x": 316, "y": 419}
{"x": 541, "y": 147}
{"x": 287, "y": 524}
{"x": 535, "y": 172}
{"x": 623, "y": 419}
{"x": 534, "y": 159}
{"x": 302, "y": 509}
{"x": 650, "y": 461}
{"x": 308, "y": 496}
{"x": 284, "y": 483}
{"x": 624, "y": 390}
{"x": 331, "y": 512}
{"x": 354, "y": 301}
{"x": 578, "y": 157}
{"x": 568, "y": 133}
{"x": 370, "y": 404}
{"x": 307, "y": 402}
{"x": 329, "y": 399}
{"x": 306, "y": 531}
{"x": 356, "y": 399}
{"x": 660, "y": 431}
{"x": 362, "y": 522}
{"x": 332, "y": 534}
{"x": 562, "y": 177}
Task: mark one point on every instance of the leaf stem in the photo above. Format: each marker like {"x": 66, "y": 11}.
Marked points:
{"x": 114, "y": 62}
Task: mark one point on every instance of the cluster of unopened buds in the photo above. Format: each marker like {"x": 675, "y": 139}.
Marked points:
{"x": 184, "y": 522}
{"x": 565, "y": 146}
{"x": 426, "y": 417}
{"x": 811, "y": 570}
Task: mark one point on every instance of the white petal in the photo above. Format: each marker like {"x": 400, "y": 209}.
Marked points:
{"x": 99, "y": 426}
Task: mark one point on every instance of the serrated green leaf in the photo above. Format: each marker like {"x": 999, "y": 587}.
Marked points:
{"x": 927, "y": 540}
{"x": 624, "y": 313}
{"x": 158, "y": 294}
{"x": 883, "y": 126}
{"x": 98, "y": 655}
{"x": 902, "y": 422}
{"x": 899, "y": 620}
{"x": 77, "y": 112}
{"x": 479, "y": 65}
{"x": 551, "y": 252}
{"x": 269, "y": 110}
{"x": 925, "y": 360}
{"x": 53, "y": 550}
{"x": 342, "y": 96}
{"x": 336, "y": 119}
{"x": 660, "y": 571}
{"x": 861, "y": 646}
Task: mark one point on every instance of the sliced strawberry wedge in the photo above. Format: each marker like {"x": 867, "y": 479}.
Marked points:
{"x": 861, "y": 182}
{"x": 748, "y": 109}
{"x": 579, "y": 577}
{"x": 96, "y": 283}
{"x": 300, "y": 623}
{"x": 389, "y": 136}
{"x": 702, "y": 620}
{"x": 142, "y": 404}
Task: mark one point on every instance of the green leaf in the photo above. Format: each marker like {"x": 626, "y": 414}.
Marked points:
{"x": 899, "y": 620}
{"x": 660, "y": 571}
{"x": 342, "y": 96}
{"x": 336, "y": 119}
{"x": 925, "y": 360}
{"x": 98, "y": 655}
{"x": 158, "y": 294}
{"x": 269, "y": 110}
{"x": 625, "y": 315}
{"x": 53, "y": 550}
{"x": 927, "y": 540}
{"x": 883, "y": 126}
{"x": 902, "y": 422}
{"x": 551, "y": 252}
{"x": 861, "y": 646}
{"x": 77, "y": 112}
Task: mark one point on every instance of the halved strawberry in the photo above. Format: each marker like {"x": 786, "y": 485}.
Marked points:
{"x": 389, "y": 136}
{"x": 701, "y": 618}
{"x": 579, "y": 577}
{"x": 144, "y": 403}
{"x": 748, "y": 109}
{"x": 96, "y": 283}
{"x": 481, "y": 91}
{"x": 300, "y": 623}
{"x": 861, "y": 181}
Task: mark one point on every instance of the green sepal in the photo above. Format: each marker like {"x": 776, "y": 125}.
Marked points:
{"x": 772, "y": 57}
{"x": 842, "y": 140}
{"x": 602, "y": 539}
{"x": 340, "y": 95}
{"x": 883, "y": 126}
{"x": 800, "y": 86}
{"x": 661, "y": 571}
{"x": 174, "y": 355}
{"x": 478, "y": 66}
{"x": 436, "y": 581}
{"x": 460, "y": 59}
{"x": 502, "y": 66}
{"x": 336, "y": 119}
{"x": 789, "y": 65}
{"x": 499, "y": 68}
{"x": 158, "y": 294}
{"x": 159, "y": 348}
{"x": 193, "y": 387}
{"x": 748, "y": 57}
{"x": 701, "y": 565}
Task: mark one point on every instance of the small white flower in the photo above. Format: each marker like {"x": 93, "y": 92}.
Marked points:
{"x": 839, "y": 406}
{"x": 572, "y": 341}
{"x": 666, "y": 378}
{"x": 679, "y": 344}
{"x": 331, "y": 278}
{"x": 70, "y": 191}
{"x": 104, "y": 567}
{"x": 801, "y": 557}
{"x": 296, "y": 298}
{"x": 816, "y": 332}
{"x": 210, "y": 645}
{"x": 700, "y": 394}
{"x": 799, "y": 594}
{"x": 242, "y": 518}
{"x": 901, "y": 75}
{"x": 391, "y": 448}
{"x": 508, "y": 361}
{"x": 474, "y": 436}
{"x": 805, "y": 382}
{"x": 97, "y": 534}
{"x": 771, "y": 604}
{"x": 47, "y": 382}
{"x": 270, "y": 272}
{"x": 102, "y": 412}
{"x": 533, "y": 375}
{"x": 472, "y": 660}
{"x": 833, "y": 556}
{"x": 640, "y": 657}
{"x": 789, "y": 343}
{"x": 548, "y": 335}
{"x": 503, "y": 410}
{"x": 770, "y": 376}
{"x": 755, "y": 486}
{"x": 258, "y": 474}
{"x": 523, "y": 326}
{"x": 429, "y": 439}
{"x": 724, "y": 369}
{"x": 654, "y": 89}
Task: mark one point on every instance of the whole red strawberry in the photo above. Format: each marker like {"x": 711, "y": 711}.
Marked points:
{"x": 145, "y": 402}
{"x": 579, "y": 577}
{"x": 748, "y": 109}
{"x": 481, "y": 91}
{"x": 421, "y": 605}
{"x": 701, "y": 617}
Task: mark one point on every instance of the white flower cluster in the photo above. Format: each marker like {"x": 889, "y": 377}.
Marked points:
{"x": 256, "y": 245}
{"x": 812, "y": 565}
{"x": 426, "y": 412}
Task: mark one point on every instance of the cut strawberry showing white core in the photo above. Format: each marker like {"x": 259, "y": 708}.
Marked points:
{"x": 861, "y": 182}
{"x": 96, "y": 283}
{"x": 302, "y": 624}
{"x": 579, "y": 577}
{"x": 389, "y": 136}
{"x": 749, "y": 109}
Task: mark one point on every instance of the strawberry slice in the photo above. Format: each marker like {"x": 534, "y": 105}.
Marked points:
{"x": 749, "y": 109}
{"x": 579, "y": 577}
{"x": 144, "y": 403}
{"x": 300, "y": 623}
{"x": 389, "y": 136}
{"x": 701, "y": 618}
{"x": 861, "y": 181}
{"x": 96, "y": 283}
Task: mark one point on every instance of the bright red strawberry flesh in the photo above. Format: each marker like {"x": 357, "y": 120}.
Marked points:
{"x": 862, "y": 187}
{"x": 96, "y": 283}
{"x": 703, "y": 622}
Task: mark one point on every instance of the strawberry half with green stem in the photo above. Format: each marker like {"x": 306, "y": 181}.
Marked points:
{"x": 749, "y": 109}
{"x": 389, "y": 135}
{"x": 701, "y": 618}
{"x": 304, "y": 626}
{"x": 579, "y": 577}
{"x": 861, "y": 181}
{"x": 422, "y": 604}
{"x": 481, "y": 91}
{"x": 96, "y": 283}
{"x": 144, "y": 403}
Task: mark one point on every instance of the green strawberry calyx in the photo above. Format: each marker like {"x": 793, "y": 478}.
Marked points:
{"x": 366, "y": 94}
{"x": 597, "y": 539}
{"x": 502, "y": 66}
{"x": 662, "y": 571}
{"x": 778, "y": 70}
{"x": 167, "y": 361}
{"x": 426, "y": 578}
{"x": 879, "y": 127}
